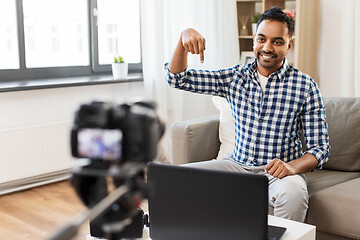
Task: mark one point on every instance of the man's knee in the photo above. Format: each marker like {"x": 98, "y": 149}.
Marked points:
{"x": 289, "y": 197}
{"x": 293, "y": 188}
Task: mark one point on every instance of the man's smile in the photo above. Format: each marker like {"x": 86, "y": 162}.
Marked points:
{"x": 267, "y": 56}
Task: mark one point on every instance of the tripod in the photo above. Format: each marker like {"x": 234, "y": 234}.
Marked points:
{"x": 115, "y": 215}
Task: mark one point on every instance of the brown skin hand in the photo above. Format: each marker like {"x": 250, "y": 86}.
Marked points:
{"x": 280, "y": 169}
{"x": 190, "y": 41}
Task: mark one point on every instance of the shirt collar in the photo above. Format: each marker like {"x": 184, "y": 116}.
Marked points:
{"x": 253, "y": 67}
{"x": 280, "y": 73}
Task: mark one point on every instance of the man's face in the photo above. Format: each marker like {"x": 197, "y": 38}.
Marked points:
{"x": 271, "y": 44}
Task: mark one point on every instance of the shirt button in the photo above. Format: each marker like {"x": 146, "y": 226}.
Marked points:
{"x": 257, "y": 141}
{"x": 259, "y": 99}
{"x": 260, "y": 120}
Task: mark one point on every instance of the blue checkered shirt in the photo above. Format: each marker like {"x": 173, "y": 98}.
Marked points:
{"x": 268, "y": 126}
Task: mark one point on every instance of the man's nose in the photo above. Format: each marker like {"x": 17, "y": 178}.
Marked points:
{"x": 267, "y": 47}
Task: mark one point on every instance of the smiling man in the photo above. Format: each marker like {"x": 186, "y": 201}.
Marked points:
{"x": 272, "y": 42}
{"x": 271, "y": 103}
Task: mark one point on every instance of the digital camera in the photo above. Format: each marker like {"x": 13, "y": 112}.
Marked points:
{"x": 127, "y": 132}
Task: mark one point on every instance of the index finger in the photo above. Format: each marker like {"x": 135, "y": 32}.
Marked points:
{"x": 201, "y": 45}
{"x": 202, "y": 56}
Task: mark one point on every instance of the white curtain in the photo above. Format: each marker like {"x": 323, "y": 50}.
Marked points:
{"x": 339, "y": 61}
{"x": 162, "y": 21}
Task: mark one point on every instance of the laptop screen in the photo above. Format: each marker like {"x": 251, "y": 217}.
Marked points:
{"x": 190, "y": 203}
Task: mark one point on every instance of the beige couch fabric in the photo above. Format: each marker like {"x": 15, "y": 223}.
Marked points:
{"x": 322, "y": 179}
{"x": 337, "y": 209}
{"x": 343, "y": 117}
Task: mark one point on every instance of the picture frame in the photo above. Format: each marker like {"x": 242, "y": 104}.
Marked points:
{"x": 246, "y": 57}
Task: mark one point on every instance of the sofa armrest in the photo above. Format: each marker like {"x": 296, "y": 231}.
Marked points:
{"x": 195, "y": 140}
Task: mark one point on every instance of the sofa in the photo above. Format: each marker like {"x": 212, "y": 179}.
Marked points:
{"x": 334, "y": 204}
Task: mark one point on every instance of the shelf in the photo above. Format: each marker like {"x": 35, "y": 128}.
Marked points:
{"x": 249, "y": 0}
{"x": 246, "y": 37}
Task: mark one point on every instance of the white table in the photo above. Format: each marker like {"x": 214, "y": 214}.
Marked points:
{"x": 294, "y": 230}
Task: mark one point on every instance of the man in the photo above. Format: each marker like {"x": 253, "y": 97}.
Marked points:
{"x": 271, "y": 102}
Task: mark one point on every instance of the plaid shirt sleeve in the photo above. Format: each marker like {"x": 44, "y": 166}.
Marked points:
{"x": 315, "y": 126}
{"x": 202, "y": 81}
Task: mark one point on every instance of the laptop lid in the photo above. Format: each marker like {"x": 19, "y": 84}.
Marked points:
{"x": 190, "y": 203}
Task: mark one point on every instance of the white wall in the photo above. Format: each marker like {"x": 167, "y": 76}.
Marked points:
{"x": 339, "y": 52}
{"x": 35, "y": 126}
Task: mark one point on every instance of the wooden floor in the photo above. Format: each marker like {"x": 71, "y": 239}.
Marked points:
{"x": 37, "y": 213}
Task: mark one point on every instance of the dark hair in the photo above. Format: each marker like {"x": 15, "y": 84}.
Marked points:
{"x": 277, "y": 14}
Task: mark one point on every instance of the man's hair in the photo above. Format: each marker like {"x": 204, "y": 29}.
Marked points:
{"x": 276, "y": 14}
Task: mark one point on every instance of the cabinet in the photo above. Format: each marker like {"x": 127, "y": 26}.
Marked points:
{"x": 246, "y": 9}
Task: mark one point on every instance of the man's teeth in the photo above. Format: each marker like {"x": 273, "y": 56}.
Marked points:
{"x": 267, "y": 57}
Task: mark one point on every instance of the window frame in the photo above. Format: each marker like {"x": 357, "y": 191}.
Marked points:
{"x": 93, "y": 69}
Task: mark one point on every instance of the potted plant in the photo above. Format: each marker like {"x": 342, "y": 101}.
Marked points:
{"x": 254, "y": 20}
{"x": 119, "y": 68}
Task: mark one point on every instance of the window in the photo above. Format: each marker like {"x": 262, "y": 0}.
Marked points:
{"x": 111, "y": 36}
{"x": 51, "y": 38}
{"x": 116, "y": 37}
{"x": 9, "y": 57}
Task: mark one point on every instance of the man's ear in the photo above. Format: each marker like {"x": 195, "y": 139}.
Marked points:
{"x": 290, "y": 44}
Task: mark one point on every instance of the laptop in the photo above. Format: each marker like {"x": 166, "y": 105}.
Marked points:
{"x": 196, "y": 204}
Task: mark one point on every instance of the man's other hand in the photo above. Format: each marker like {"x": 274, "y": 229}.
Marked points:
{"x": 193, "y": 42}
{"x": 279, "y": 169}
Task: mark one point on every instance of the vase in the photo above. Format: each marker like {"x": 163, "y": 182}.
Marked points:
{"x": 244, "y": 31}
{"x": 119, "y": 70}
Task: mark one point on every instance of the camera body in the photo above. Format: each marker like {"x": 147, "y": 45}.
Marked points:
{"x": 127, "y": 132}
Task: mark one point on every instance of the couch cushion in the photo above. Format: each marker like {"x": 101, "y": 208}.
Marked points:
{"x": 226, "y": 127}
{"x": 343, "y": 118}
{"x": 195, "y": 140}
{"x": 322, "y": 179}
{"x": 337, "y": 209}
{"x": 326, "y": 236}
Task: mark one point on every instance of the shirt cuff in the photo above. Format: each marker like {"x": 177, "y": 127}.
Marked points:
{"x": 174, "y": 75}
{"x": 319, "y": 155}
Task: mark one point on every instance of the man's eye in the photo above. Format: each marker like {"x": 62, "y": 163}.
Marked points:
{"x": 278, "y": 43}
{"x": 260, "y": 40}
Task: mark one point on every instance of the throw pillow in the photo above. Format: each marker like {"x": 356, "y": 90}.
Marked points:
{"x": 226, "y": 126}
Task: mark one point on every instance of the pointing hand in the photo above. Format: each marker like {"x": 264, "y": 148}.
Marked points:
{"x": 193, "y": 42}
